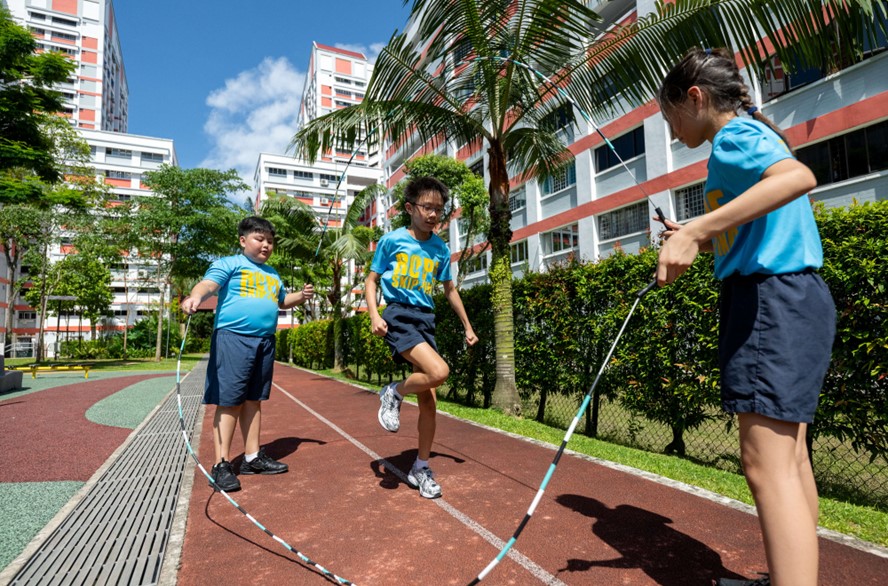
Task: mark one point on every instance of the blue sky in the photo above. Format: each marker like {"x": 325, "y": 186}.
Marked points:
{"x": 224, "y": 79}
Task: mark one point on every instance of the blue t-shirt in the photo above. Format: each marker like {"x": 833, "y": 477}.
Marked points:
{"x": 249, "y": 295}
{"x": 409, "y": 268}
{"x": 783, "y": 241}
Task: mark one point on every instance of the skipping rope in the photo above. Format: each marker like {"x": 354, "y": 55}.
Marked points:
{"x": 327, "y": 573}
{"x": 567, "y": 436}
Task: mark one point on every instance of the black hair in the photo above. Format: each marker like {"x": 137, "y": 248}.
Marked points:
{"x": 253, "y": 224}
{"x": 421, "y": 185}
{"x": 716, "y": 73}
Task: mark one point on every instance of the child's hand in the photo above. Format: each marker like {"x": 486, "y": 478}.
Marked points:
{"x": 471, "y": 338}
{"x": 378, "y": 326}
{"x": 669, "y": 228}
{"x": 308, "y": 291}
{"x": 676, "y": 256}
{"x": 189, "y": 305}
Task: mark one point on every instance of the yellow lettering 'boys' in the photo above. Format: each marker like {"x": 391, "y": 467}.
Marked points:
{"x": 258, "y": 285}
{"x": 725, "y": 240}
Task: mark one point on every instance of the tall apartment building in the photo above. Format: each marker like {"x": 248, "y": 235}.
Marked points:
{"x": 120, "y": 161}
{"x": 96, "y": 94}
{"x": 96, "y": 98}
{"x": 838, "y": 125}
{"x": 336, "y": 79}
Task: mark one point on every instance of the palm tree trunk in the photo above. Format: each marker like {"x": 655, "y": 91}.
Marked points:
{"x": 505, "y": 392}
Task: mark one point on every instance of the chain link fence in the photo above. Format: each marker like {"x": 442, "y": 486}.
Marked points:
{"x": 841, "y": 472}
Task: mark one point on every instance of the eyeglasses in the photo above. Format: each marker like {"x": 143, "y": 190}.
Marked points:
{"x": 429, "y": 209}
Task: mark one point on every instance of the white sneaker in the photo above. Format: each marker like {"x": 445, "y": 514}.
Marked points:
{"x": 424, "y": 480}
{"x": 390, "y": 409}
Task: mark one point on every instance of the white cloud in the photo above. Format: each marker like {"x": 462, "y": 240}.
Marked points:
{"x": 255, "y": 112}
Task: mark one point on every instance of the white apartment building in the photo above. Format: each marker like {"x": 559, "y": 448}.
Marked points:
{"x": 120, "y": 161}
{"x": 838, "y": 125}
{"x": 96, "y": 95}
{"x": 336, "y": 79}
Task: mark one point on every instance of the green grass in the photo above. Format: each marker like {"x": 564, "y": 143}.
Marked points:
{"x": 863, "y": 522}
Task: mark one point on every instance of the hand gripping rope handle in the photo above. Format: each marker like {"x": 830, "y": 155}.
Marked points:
{"x": 573, "y": 424}
{"x": 303, "y": 557}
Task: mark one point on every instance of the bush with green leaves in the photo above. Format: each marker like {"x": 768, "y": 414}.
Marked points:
{"x": 313, "y": 344}
{"x": 854, "y": 401}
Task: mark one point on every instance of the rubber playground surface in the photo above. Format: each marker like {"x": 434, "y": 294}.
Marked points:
{"x": 345, "y": 504}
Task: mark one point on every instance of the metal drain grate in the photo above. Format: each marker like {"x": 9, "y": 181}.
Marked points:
{"x": 118, "y": 532}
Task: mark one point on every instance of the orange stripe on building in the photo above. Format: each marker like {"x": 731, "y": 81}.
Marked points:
{"x": 89, "y": 43}
{"x": 343, "y": 66}
{"x": 89, "y": 57}
{"x": 66, "y": 6}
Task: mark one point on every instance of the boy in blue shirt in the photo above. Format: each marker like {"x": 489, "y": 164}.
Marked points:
{"x": 410, "y": 260}
{"x": 242, "y": 347}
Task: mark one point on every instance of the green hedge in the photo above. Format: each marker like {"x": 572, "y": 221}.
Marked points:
{"x": 665, "y": 367}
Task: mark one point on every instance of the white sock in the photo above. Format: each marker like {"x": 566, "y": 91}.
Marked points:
{"x": 420, "y": 464}
{"x": 250, "y": 457}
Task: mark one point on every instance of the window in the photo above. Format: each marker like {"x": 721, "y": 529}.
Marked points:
{"x": 561, "y": 179}
{"x": 560, "y": 121}
{"x": 27, "y": 315}
{"x": 477, "y": 263}
{"x": 689, "y": 202}
{"x": 329, "y": 177}
{"x": 518, "y": 252}
{"x": 461, "y": 50}
{"x": 628, "y": 220}
{"x": 152, "y": 157}
{"x": 117, "y": 175}
{"x": 343, "y": 93}
{"x": 277, "y": 172}
{"x": 849, "y": 155}
{"x": 342, "y": 104}
{"x": 517, "y": 199}
{"x": 303, "y": 175}
{"x": 628, "y": 145}
{"x": 342, "y": 80}
{"x": 567, "y": 238}
{"x": 121, "y": 153}
{"x": 63, "y": 21}
{"x": 478, "y": 168}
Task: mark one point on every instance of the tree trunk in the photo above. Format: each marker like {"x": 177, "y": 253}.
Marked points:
{"x": 9, "y": 324}
{"x": 336, "y": 300}
{"x": 158, "y": 347}
{"x": 505, "y": 392}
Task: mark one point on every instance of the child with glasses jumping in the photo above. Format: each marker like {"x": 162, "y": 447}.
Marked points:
{"x": 410, "y": 260}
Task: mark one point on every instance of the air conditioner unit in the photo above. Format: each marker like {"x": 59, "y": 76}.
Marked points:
{"x": 325, "y": 201}
{"x": 324, "y": 183}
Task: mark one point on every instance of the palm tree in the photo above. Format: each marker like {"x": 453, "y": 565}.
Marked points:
{"x": 330, "y": 249}
{"x": 463, "y": 75}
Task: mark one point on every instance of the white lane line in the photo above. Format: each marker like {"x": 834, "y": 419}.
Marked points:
{"x": 525, "y": 562}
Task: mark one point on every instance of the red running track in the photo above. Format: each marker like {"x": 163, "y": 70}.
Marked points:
{"x": 342, "y": 508}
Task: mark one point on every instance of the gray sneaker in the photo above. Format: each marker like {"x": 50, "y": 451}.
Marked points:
{"x": 424, "y": 480}
{"x": 390, "y": 408}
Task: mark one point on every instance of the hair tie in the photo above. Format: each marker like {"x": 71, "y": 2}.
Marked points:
{"x": 752, "y": 110}
{"x": 708, "y": 51}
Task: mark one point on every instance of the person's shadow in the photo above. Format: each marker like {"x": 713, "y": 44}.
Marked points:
{"x": 281, "y": 447}
{"x": 645, "y": 541}
{"x": 393, "y": 470}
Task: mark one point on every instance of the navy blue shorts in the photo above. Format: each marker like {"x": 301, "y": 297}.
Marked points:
{"x": 408, "y": 326}
{"x": 775, "y": 341}
{"x": 239, "y": 370}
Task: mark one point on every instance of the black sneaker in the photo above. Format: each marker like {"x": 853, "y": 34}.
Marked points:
{"x": 224, "y": 478}
{"x": 765, "y": 580}
{"x": 262, "y": 464}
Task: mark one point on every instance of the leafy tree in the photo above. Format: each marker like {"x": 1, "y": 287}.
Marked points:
{"x": 27, "y": 102}
{"x": 20, "y": 228}
{"x": 464, "y": 84}
{"x": 187, "y": 222}
{"x": 88, "y": 280}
